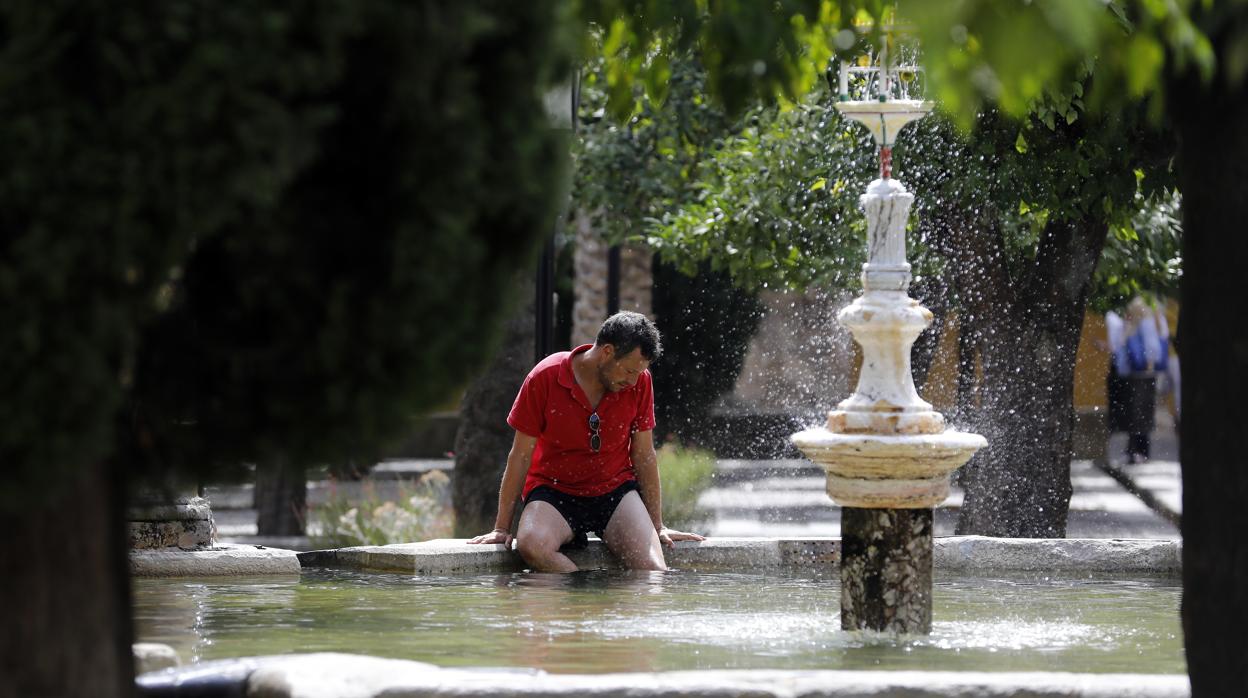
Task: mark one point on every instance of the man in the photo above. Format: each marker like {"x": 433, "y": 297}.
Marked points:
{"x": 583, "y": 456}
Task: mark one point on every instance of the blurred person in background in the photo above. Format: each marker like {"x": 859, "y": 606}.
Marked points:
{"x": 1139, "y": 342}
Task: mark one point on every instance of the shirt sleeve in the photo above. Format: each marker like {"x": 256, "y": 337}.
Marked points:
{"x": 644, "y": 421}
{"x": 528, "y": 413}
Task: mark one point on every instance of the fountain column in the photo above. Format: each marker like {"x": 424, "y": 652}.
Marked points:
{"x": 887, "y": 454}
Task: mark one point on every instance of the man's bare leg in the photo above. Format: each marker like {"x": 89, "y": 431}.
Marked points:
{"x": 541, "y": 533}
{"x": 630, "y": 534}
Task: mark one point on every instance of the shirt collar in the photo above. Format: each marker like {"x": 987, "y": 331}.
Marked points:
{"x": 566, "y": 378}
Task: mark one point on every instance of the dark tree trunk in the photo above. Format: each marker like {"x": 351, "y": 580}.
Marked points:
{"x": 64, "y": 588}
{"x": 1027, "y": 332}
{"x": 281, "y": 499}
{"x": 484, "y": 439}
{"x": 886, "y": 570}
{"x": 1213, "y": 343}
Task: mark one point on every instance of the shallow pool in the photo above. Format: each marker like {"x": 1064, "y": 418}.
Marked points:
{"x": 610, "y": 621}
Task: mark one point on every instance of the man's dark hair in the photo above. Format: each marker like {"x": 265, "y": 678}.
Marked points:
{"x": 627, "y": 331}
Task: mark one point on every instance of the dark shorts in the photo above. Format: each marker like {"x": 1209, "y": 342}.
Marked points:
{"x": 583, "y": 514}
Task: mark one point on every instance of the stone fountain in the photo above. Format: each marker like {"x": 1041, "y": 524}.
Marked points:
{"x": 888, "y": 455}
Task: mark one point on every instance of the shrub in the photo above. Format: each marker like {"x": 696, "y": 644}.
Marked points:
{"x": 420, "y": 512}
{"x": 685, "y": 473}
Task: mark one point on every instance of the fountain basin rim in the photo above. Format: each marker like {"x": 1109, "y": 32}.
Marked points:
{"x": 324, "y": 674}
{"x": 222, "y": 560}
{"x": 975, "y": 555}
{"x": 888, "y": 471}
{"x": 820, "y": 437}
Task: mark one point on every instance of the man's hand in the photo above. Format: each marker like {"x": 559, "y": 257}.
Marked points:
{"x": 496, "y": 536}
{"x": 669, "y": 536}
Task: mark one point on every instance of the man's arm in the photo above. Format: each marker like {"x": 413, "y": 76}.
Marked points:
{"x": 646, "y": 466}
{"x": 518, "y": 461}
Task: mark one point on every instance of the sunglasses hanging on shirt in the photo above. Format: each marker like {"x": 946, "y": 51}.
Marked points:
{"x": 595, "y": 441}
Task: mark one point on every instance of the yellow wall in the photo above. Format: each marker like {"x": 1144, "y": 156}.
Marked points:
{"x": 1091, "y": 363}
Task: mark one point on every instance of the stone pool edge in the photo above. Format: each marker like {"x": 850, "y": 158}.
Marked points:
{"x": 962, "y": 554}
{"x": 220, "y": 561}
{"x": 322, "y": 675}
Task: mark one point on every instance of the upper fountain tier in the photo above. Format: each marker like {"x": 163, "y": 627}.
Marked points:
{"x": 883, "y": 90}
{"x": 885, "y": 119}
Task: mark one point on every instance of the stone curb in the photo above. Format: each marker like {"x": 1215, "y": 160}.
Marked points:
{"x": 153, "y": 656}
{"x": 968, "y": 554}
{"x": 963, "y": 554}
{"x": 323, "y": 675}
{"x": 222, "y": 561}
{"x": 185, "y": 534}
{"x": 455, "y": 556}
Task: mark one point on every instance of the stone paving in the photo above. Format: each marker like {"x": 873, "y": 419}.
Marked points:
{"x": 785, "y": 498}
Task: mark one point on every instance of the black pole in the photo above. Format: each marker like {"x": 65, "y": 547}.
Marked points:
{"x": 613, "y": 280}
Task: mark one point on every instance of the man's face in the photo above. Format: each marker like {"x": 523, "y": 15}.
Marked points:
{"x": 621, "y": 372}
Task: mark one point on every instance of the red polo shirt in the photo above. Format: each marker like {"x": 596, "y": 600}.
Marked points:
{"x": 552, "y": 407}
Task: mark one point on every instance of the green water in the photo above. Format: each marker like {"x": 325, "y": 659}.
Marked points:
{"x": 593, "y": 622}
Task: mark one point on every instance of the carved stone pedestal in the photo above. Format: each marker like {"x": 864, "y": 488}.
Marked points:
{"x": 185, "y": 523}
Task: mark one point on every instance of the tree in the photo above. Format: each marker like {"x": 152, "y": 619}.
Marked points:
{"x": 1020, "y": 214}
{"x": 1184, "y": 62}
{"x": 631, "y": 173}
{"x": 1011, "y": 221}
{"x": 1213, "y": 146}
{"x": 235, "y": 234}
{"x": 281, "y": 498}
{"x": 483, "y": 438}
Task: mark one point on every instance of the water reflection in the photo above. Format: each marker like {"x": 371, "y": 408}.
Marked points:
{"x": 554, "y": 617}
{"x": 610, "y": 621}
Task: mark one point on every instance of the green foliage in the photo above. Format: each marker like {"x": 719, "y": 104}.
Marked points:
{"x": 684, "y": 474}
{"x": 1008, "y": 54}
{"x": 750, "y": 49}
{"x": 1143, "y": 256}
{"x": 628, "y": 176}
{"x": 418, "y": 512}
{"x": 1017, "y": 175}
{"x": 976, "y": 52}
{"x": 777, "y": 202}
{"x": 777, "y": 199}
{"x": 629, "y": 173}
{"x": 226, "y": 228}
